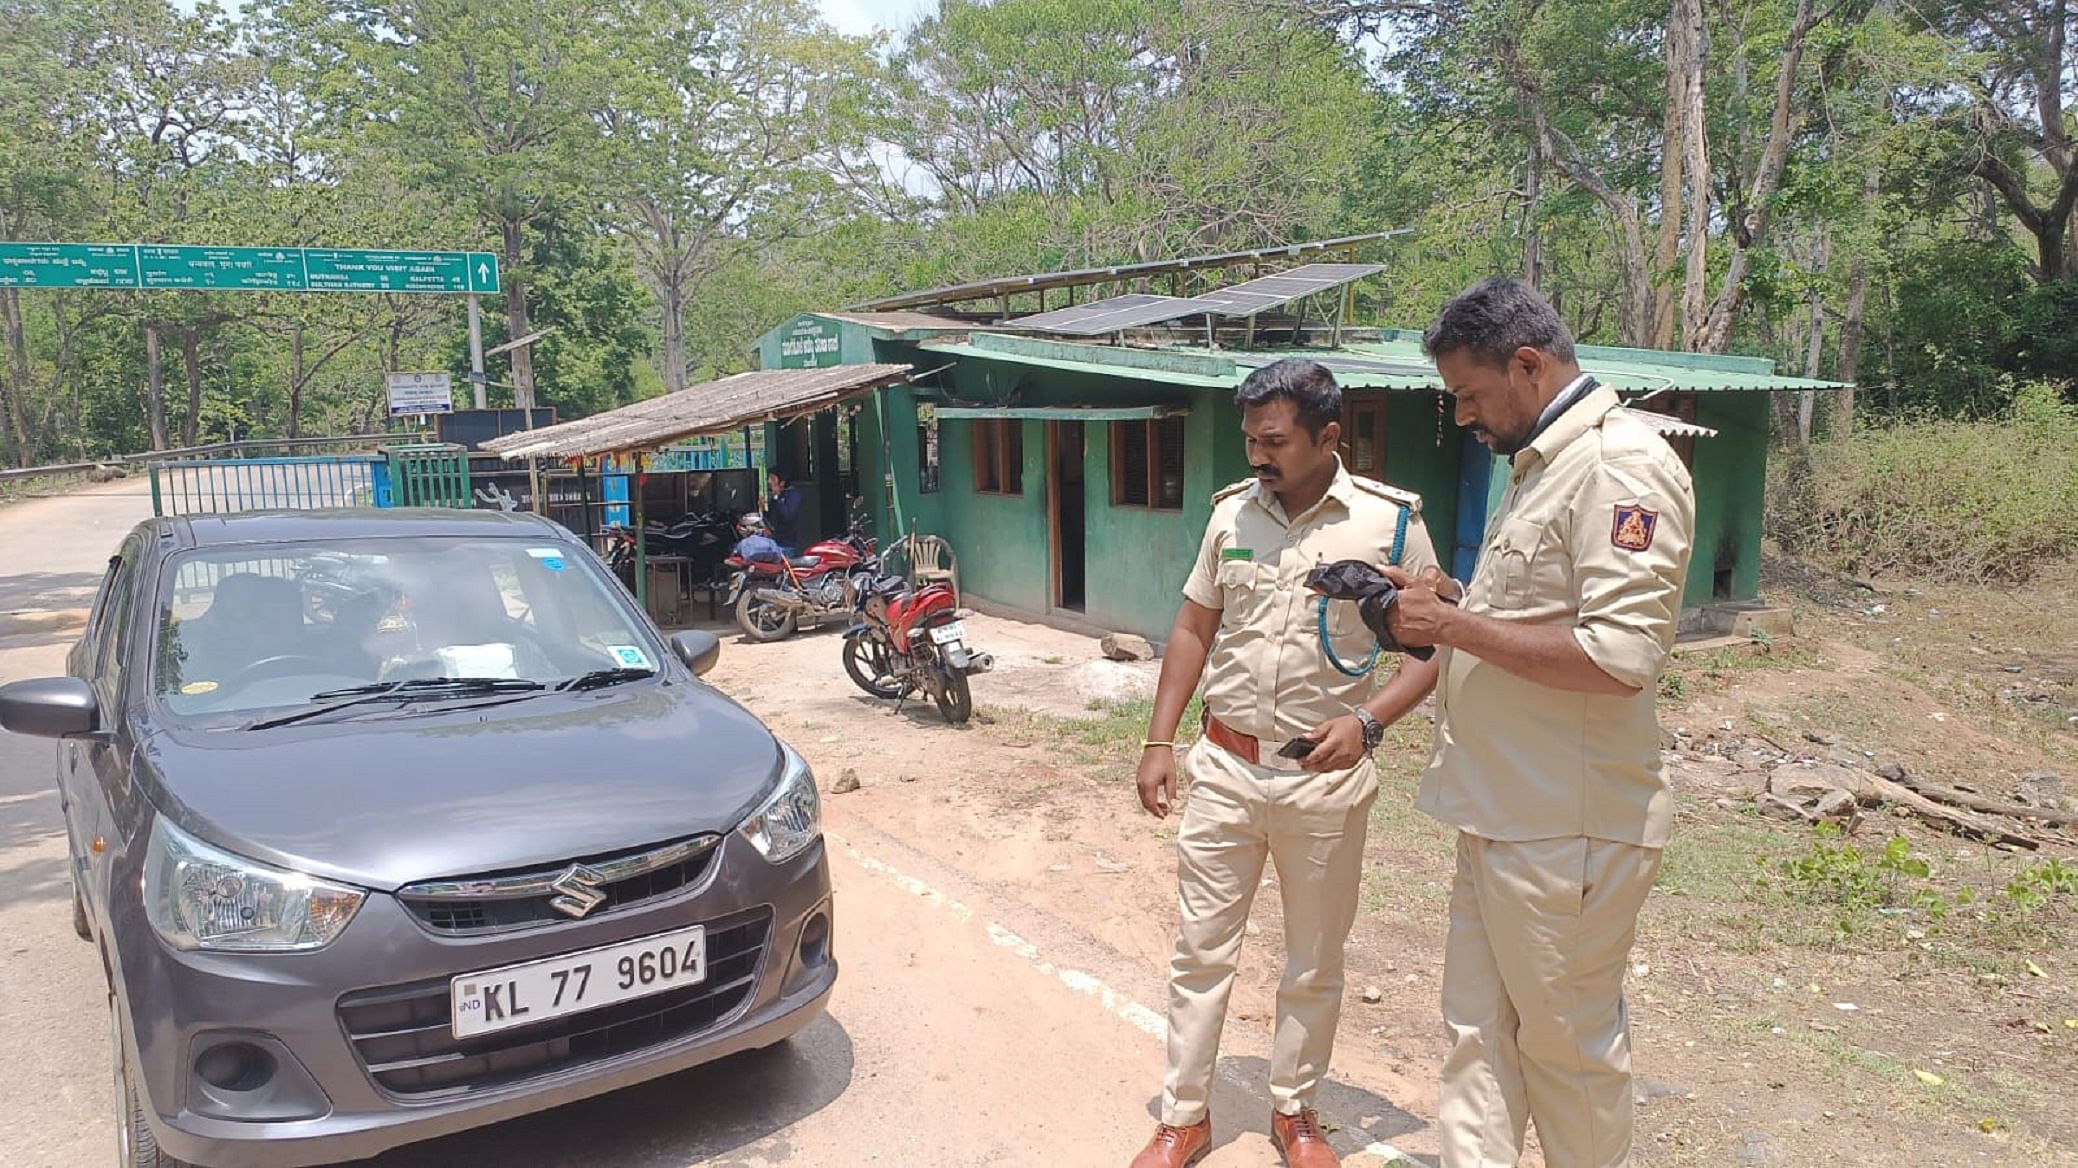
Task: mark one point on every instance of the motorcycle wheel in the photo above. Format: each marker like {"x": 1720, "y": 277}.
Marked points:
{"x": 761, "y": 621}
{"x": 952, "y": 695}
{"x": 866, "y": 663}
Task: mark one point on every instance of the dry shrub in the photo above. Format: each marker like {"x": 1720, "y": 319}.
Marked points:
{"x": 1961, "y": 501}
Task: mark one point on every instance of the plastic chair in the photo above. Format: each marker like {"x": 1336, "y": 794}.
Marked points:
{"x": 931, "y": 559}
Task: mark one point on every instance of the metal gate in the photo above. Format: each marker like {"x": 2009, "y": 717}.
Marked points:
{"x": 433, "y": 474}
{"x": 220, "y": 486}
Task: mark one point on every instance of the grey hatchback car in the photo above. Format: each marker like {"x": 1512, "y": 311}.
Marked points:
{"x": 392, "y": 823}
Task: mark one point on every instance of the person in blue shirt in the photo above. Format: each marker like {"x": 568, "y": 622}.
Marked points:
{"x": 783, "y": 511}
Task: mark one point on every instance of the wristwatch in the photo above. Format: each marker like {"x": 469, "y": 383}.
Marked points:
{"x": 1374, "y": 730}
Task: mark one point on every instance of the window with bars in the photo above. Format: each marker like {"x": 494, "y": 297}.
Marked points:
{"x": 1147, "y": 464}
{"x": 927, "y": 450}
{"x": 999, "y": 456}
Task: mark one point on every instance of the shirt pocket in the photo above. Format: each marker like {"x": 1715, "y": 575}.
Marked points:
{"x": 1246, "y": 588}
{"x": 1512, "y": 563}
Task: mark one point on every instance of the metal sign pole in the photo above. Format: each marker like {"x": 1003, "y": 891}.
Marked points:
{"x": 476, "y": 377}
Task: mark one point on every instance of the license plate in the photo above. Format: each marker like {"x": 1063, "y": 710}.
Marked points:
{"x": 947, "y": 634}
{"x": 556, "y": 987}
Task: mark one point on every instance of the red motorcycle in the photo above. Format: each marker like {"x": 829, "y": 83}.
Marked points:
{"x": 904, "y": 641}
{"x": 774, "y": 596}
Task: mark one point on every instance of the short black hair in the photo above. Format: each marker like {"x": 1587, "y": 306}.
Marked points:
{"x": 1493, "y": 319}
{"x": 1308, "y": 384}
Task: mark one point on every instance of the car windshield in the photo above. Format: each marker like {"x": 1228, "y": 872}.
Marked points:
{"x": 257, "y": 627}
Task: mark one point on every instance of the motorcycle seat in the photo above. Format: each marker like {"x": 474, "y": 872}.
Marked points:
{"x": 890, "y": 586}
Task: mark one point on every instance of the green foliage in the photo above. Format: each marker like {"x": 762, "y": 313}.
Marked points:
{"x": 1968, "y": 501}
{"x": 1838, "y": 874}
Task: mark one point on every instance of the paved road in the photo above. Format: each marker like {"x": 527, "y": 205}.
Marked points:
{"x": 964, "y": 1031}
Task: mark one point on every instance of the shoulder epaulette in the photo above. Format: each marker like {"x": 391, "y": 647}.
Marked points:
{"x": 1407, "y": 499}
{"x": 1232, "y": 489}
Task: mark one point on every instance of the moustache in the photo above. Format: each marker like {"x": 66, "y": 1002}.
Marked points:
{"x": 1268, "y": 473}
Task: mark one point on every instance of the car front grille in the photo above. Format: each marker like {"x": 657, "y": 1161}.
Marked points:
{"x": 517, "y": 900}
{"x": 402, "y": 1038}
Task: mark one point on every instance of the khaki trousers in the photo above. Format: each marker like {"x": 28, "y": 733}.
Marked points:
{"x": 1312, "y": 826}
{"x": 1540, "y": 936}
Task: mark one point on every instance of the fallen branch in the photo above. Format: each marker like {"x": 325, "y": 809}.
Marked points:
{"x": 1977, "y": 802}
{"x": 1948, "y": 819}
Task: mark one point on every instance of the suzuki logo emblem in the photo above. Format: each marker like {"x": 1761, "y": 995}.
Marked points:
{"x": 577, "y": 892}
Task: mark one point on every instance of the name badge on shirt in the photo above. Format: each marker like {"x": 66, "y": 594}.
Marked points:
{"x": 1237, "y": 553}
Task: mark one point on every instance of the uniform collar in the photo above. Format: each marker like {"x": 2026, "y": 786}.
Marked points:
{"x": 1340, "y": 488}
{"x": 1582, "y": 415}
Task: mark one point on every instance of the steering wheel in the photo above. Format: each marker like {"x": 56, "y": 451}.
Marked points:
{"x": 276, "y": 665}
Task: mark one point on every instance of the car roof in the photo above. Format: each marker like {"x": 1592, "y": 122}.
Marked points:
{"x": 354, "y": 523}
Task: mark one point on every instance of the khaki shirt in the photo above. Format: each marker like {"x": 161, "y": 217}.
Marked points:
{"x": 1593, "y": 533}
{"x": 1265, "y": 675}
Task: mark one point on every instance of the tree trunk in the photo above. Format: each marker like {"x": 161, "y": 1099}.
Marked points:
{"x": 155, "y": 388}
{"x": 1673, "y": 155}
{"x": 1696, "y": 145}
{"x": 1752, "y": 230}
{"x": 671, "y": 291}
{"x": 1533, "y": 244}
{"x": 16, "y": 443}
{"x": 293, "y": 427}
{"x": 191, "y": 360}
{"x": 516, "y": 321}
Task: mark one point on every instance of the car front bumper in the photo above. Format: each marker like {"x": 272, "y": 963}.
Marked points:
{"x": 321, "y": 1103}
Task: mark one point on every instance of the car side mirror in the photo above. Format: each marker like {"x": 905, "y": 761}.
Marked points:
{"x": 698, "y": 649}
{"x": 50, "y": 707}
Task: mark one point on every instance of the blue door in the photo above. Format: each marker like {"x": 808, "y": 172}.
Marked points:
{"x": 1475, "y": 472}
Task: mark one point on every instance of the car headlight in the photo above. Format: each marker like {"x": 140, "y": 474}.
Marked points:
{"x": 792, "y": 818}
{"x": 200, "y": 897}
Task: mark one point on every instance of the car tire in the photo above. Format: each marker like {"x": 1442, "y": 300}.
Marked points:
{"x": 80, "y": 924}
{"x": 135, "y": 1145}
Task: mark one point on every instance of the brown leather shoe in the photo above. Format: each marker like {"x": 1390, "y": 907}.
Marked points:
{"x": 1176, "y": 1147}
{"x": 1301, "y": 1141}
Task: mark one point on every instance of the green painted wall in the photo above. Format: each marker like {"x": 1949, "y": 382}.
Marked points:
{"x": 1418, "y": 459}
{"x": 1731, "y": 491}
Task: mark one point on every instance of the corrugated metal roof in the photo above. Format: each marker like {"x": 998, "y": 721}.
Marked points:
{"x": 1008, "y": 285}
{"x": 902, "y": 322}
{"x": 1671, "y": 426}
{"x": 1396, "y": 365}
{"x": 716, "y": 407}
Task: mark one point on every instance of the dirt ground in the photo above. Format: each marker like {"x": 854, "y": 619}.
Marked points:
{"x": 1799, "y": 999}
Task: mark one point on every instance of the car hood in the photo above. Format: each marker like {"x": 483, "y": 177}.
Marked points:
{"x": 392, "y": 800}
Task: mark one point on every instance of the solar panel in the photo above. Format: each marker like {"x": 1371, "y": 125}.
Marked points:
{"x": 1112, "y": 314}
{"x": 1254, "y": 296}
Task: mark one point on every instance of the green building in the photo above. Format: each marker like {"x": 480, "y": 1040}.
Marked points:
{"x": 1074, "y": 480}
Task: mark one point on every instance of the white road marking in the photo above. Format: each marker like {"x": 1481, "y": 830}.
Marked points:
{"x": 1142, "y": 1018}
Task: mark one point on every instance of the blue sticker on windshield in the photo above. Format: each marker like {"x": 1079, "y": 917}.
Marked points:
{"x": 629, "y": 657}
{"x": 554, "y": 563}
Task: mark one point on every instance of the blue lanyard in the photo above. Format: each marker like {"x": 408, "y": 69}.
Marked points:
{"x": 1320, "y": 613}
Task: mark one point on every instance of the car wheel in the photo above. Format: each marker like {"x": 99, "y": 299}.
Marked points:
{"x": 80, "y": 924}
{"x": 135, "y": 1145}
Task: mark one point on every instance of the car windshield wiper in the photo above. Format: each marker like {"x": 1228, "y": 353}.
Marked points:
{"x": 409, "y": 690}
{"x": 600, "y": 678}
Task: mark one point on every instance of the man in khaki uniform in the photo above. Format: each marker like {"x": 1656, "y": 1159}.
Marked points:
{"x": 1547, "y": 747}
{"x": 1250, "y": 628}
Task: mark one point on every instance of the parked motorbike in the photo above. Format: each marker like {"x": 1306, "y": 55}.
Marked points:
{"x": 906, "y": 640}
{"x": 775, "y": 595}
{"x": 703, "y": 538}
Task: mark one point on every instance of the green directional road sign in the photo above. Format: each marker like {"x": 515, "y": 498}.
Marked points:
{"x": 68, "y": 265}
{"x": 157, "y": 266}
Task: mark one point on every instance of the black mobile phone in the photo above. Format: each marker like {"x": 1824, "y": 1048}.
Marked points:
{"x": 1297, "y": 748}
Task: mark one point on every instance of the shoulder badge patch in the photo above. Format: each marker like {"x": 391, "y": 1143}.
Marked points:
{"x": 1232, "y": 489}
{"x": 1633, "y": 527}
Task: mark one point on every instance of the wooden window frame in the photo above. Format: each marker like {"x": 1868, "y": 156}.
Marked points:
{"x": 1151, "y": 429}
{"x": 999, "y": 448}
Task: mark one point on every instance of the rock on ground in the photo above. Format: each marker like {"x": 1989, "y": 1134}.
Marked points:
{"x": 1126, "y": 647}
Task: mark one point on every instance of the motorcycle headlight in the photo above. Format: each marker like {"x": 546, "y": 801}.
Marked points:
{"x": 200, "y": 897}
{"x": 792, "y": 817}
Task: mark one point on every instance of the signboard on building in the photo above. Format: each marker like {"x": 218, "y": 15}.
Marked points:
{"x": 173, "y": 267}
{"x": 811, "y": 343}
{"x": 413, "y": 394}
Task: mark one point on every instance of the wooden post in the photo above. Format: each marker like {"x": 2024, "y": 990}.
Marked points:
{"x": 641, "y": 540}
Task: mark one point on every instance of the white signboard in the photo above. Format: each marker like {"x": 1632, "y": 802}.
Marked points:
{"x": 420, "y": 393}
